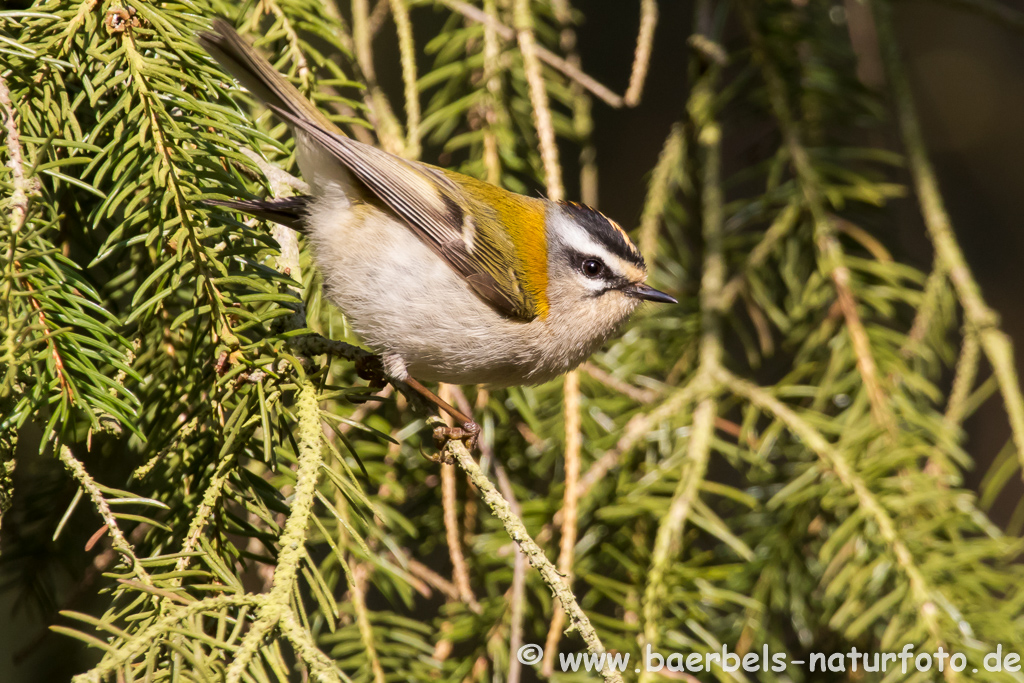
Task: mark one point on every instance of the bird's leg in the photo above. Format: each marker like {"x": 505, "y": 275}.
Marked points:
{"x": 468, "y": 430}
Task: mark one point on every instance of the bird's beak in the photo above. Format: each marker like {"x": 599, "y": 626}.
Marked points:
{"x": 642, "y": 291}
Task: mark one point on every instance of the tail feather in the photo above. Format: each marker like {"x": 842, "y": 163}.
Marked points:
{"x": 289, "y": 211}
{"x": 257, "y": 75}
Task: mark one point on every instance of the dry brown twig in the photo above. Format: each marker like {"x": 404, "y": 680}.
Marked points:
{"x": 642, "y": 56}
{"x": 551, "y": 59}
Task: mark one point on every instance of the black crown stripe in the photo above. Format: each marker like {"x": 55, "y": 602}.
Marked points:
{"x": 605, "y": 231}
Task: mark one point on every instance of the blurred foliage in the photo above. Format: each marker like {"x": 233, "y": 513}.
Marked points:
{"x": 263, "y": 514}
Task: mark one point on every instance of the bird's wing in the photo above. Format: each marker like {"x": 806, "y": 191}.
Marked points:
{"x": 441, "y": 214}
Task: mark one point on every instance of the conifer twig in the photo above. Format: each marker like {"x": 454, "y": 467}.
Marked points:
{"x": 659, "y": 190}
{"x": 407, "y": 50}
{"x": 206, "y": 508}
{"x": 518, "y": 589}
{"x": 835, "y": 461}
{"x": 293, "y": 536}
{"x": 636, "y": 429}
{"x": 19, "y": 195}
{"x": 638, "y": 394}
{"x": 357, "y": 576}
{"x": 378, "y": 16}
{"x": 117, "y": 538}
{"x": 570, "y": 499}
{"x": 670, "y": 528}
{"x": 449, "y": 504}
{"x": 985, "y": 321}
{"x": 387, "y": 127}
{"x": 642, "y": 55}
{"x": 539, "y": 100}
{"x": 829, "y": 248}
{"x": 492, "y": 54}
{"x": 501, "y": 509}
{"x": 963, "y": 379}
{"x": 460, "y": 572}
{"x": 295, "y": 52}
{"x": 145, "y": 639}
{"x": 574, "y": 73}
{"x": 783, "y": 224}
{"x": 933, "y": 288}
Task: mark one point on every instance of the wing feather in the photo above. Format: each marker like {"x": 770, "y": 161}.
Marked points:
{"x": 439, "y": 211}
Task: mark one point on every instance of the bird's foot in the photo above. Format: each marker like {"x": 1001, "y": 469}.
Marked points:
{"x": 371, "y": 369}
{"x": 468, "y": 433}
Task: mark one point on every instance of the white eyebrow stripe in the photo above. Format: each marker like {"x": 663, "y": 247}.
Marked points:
{"x": 578, "y": 239}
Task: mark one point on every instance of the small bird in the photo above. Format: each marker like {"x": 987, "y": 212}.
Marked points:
{"x": 448, "y": 278}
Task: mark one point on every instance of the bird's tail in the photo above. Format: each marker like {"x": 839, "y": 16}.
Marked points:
{"x": 259, "y": 77}
{"x": 289, "y": 211}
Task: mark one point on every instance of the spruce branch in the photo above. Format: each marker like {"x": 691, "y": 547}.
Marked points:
{"x": 985, "y": 321}
{"x": 167, "y": 166}
{"x": 295, "y": 52}
{"x": 292, "y": 541}
{"x": 145, "y": 639}
{"x": 19, "y": 196}
{"x": 407, "y": 50}
{"x": 708, "y": 132}
{"x": 963, "y": 380}
{"x": 636, "y": 430}
{"x": 831, "y": 251}
{"x": 665, "y": 175}
{"x": 543, "y": 54}
{"x": 117, "y": 538}
{"x": 539, "y": 100}
{"x": 784, "y": 223}
{"x": 501, "y": 509}
{"x": 926, "y": 597}
{"x": 642, "y": 55}
{"x": 934, "y": 288}
{"x": 211, "y": 498}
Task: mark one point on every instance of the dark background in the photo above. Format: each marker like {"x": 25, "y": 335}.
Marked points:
{"x": 968, "y": 80}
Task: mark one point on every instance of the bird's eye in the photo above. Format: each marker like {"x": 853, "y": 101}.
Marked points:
{"x": 592, "y": 268}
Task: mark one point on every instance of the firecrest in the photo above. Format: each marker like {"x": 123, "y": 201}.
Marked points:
{"x": 449, "y": 278}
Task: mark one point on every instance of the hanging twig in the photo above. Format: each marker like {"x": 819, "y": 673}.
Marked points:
{"x": 545, "y": 55}
{"x": 666, "y": 172}
{"x": 19, "y": 195}
{"x": 539, "y": 100}
{"x": 872, "y": 508}
{"x": 387, "y": 127}
{"x": 985, "y": 321}
{"x": 293, "y": 536}
{"x": 670, "y": 529}
{"x": 642, "y": 55}
{"x": 412, "y": 93}
{"x": 117, "y": 538}
{"x": 829, "y": 248}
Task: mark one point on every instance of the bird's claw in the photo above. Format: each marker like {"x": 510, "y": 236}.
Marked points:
{"x": 371, "y": 369}
{"x": 468, "y": 433}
